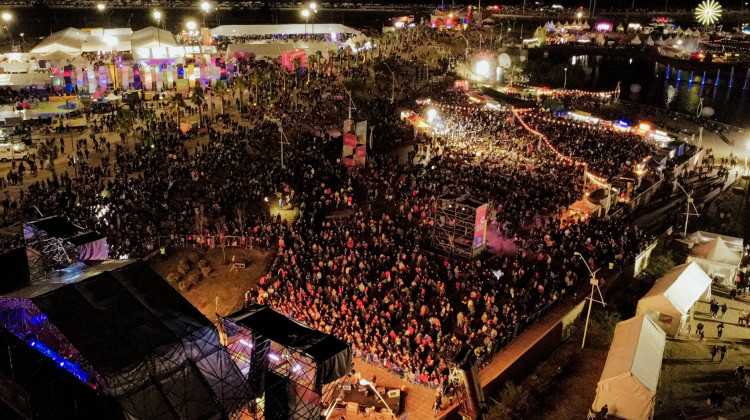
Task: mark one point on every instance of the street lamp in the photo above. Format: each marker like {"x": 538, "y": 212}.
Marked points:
{"x": 100, "y": 7}
{"x": 565, "y": 81}
{"x": 191, "y": 27}
{"x": 157, "y": 15}
{"x": 305, "y": 14}
{"x": 594, "y": 285}
{"x": 579, "y": 14}
{"x": 7, "y": 17}
{"x": 365, "y": 382}
{"x": 393, "y": 84}
{"x": 206, "y": 7}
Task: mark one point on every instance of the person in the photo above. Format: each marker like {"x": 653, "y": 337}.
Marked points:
{"x": 723, "y": 352}
{"x": 714, "y": 350}
{"x": 688, "y": 330}
{"x": 720, "y": 330}
{"x": 604, "y": 411}
{"x": 699, "y": 328}
{"x": 724, "y": 309}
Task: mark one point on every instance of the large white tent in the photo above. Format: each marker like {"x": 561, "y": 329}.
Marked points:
{"x": 717, "y": 259}
{"x": 674, "y": 295}
{"x": 69, "y": 40}
{"x": 283, "y": 29}
{"x": 631, "y": 373}
{"x": 700, "y": 237}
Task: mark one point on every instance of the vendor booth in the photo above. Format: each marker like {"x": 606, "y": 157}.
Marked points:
{"x": 674, "y": 296}
{"x": 717, "y": 260}
{"x": 631, "y": 373}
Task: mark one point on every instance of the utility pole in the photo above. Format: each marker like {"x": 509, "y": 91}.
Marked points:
{"x": 689, "y": 203}
{"x": 594, "y": 286}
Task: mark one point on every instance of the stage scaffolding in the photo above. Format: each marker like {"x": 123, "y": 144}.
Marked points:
{"x": 295, "y": 375}
{"x": 454, "y": 221}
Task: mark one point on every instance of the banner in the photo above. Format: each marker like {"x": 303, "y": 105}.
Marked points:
{"x": 350, "y": 140}
{"x": 361, "y": 152}
{"x": 361, "y": 131}
{"x": 480, "y": 228}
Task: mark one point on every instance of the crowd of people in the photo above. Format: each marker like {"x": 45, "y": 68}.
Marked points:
{"x": 357, "y": 261}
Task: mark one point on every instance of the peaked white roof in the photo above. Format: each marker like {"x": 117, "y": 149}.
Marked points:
{"x": 716, "y": 251}
{"x": 682, "y": 286}
{"x": 285, "y": 29}
{"x": 637, "y": 350}
{"x": 152, "y": 37}
{"x": 702, "y": 237}
{"x": 649, "y": 41}
{"x": 68, "y": 40}
{"x": 586, "y": 25}
{"x": 636, "y": 41}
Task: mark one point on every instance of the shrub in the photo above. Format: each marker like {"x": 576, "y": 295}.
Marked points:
{"x": 173, "y": 277}
{"x": 183, "y": 286}
{"x": 202, "y": 263}
{"x": 193, "y": 257}
{"x": 602, "y": 328}
{"x": 515, "y": 402}
{"x": 206, "y": 271}
{"x": 193, "y": 279}
{"x": 183, "y": 267}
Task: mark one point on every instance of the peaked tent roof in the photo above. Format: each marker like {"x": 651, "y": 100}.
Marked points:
{"x": 637, "y": 350}
{"x": 68, "y": 40}
{"x": 701, "y": 237}
{"x": 152, "y": 37}
{"x": 716, "y": 251}
{"x": 682, "y": 286}
{"x": 284, "y": 29}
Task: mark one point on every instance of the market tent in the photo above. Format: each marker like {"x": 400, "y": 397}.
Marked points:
{"x": 674, "y": 295}
{"x": 152, "y": 37}
{"x": 716, "y": 259}
{"x": 635, "y": 41}
{"x": 631, "y": 372}
{"x": 68, "y": 40}
{"x": 14, "y": 67}
{"x": 649, "y": 42}
{"x": 700, "y": 237}
{"x": 284, "y": 29}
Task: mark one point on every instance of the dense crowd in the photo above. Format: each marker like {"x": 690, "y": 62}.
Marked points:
{"x": 356, "y": 261}
{"x": 607, "y": 151}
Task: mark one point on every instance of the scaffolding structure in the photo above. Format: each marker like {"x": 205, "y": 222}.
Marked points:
{"x": 293, "y": 379}
{"x": 124, "y": 332}
{"x": 48, "y": 253}
{"x": 454, "y": 222}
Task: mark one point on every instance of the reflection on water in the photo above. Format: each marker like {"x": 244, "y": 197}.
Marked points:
{"x": 660, "y": 85}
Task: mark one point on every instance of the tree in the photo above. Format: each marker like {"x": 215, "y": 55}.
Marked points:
{"x": 199, "y": 99}
{"x": 149, "y": 117}
{"x": 177, "y": 103}
{"x": 220, "y": 90}
{"x": 124, "y": 122}
{"x": 515, "y": 402}
{"x": 239, "y": 86}
{"x": 256, "y": 79}
{"x": 47, "y": 150}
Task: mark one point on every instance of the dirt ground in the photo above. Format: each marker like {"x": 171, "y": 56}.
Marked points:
{"x": 228, "y": 286}
{"x": 574, "y": 393}
{"x": 688, "y": 374}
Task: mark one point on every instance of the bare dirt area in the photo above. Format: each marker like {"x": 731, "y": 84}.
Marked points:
{"x": 230, "y": 286}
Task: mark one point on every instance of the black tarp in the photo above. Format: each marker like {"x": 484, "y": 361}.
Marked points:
{"x": 333, "y": 357}
{"x": 15, "y": 268}
{"x": 158, "y": 354}
{"x": 35, "y": 387}
{"x": 56, "y": 226}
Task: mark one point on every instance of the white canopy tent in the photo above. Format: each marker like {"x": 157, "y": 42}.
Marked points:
{"x": 69, "y": 40}
{"x": 700, "y": 237}
{"x": 635, "y": 41}
{"x": 674, "y": 295}
{"x": 716, "y": 259}
{"x": 284, "y": 29}
{"x": 631, "y": 373}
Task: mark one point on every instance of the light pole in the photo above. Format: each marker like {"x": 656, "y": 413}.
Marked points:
{"x": 594, "y": 285}
{"x": 365, "y": 382}
{"x": 191, "y": 27}
{"x": 305, "y": 14}
{"x": 565, "y": 81}
{"x": 206, "y": 7}
{"x": 7, "y": 17}
{"x": 314, "y": 7}
{"x": 393, "y": 84}
{"x": 157, "y": 16}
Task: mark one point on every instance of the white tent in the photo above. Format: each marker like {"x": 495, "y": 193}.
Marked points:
{"x": 659, "y": 42}
{"x": 716, "y": 259}
{"x": 152, "y": 37}
{"x": 674, "y": 295}
{"x": 635, "y": 41}
{"x": 688, "y": 32}
{"x": 586, "y": 25}
{"x": 701, "y": 237}
{"x": 631, "y": 373}
{"x": 285, "y": 29}
{"x": 68, "y": 40}
{"x": 649, "y": 42}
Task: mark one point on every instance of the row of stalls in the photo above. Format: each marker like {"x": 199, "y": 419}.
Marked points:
{"x": 631, "y": 373}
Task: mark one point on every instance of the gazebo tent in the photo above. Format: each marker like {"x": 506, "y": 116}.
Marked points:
{"x": 631, "y": 372}
{"x": 68, "y": 40}
{"x": 674, "y": 295}
{"x": 716, "y": 259}
{"x": 635, "y": 41}
{"x": 700, "y": 237}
